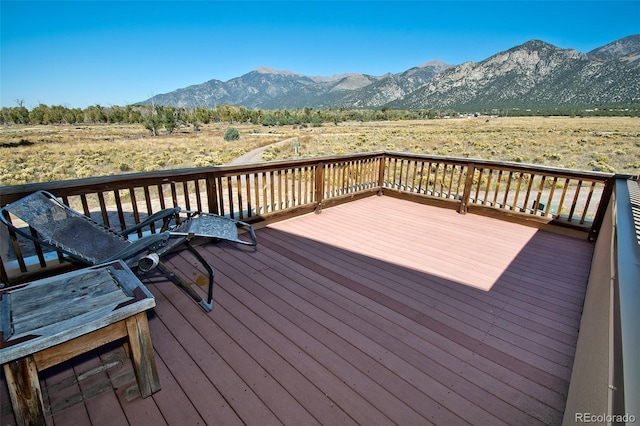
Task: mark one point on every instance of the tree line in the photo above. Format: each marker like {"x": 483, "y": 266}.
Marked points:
{"x": 157, "y": 117}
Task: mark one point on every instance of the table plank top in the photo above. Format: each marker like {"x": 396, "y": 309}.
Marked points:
{"x": 48, "y": 312}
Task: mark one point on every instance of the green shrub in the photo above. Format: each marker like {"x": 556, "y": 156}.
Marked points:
{"x": 232, "y": 134}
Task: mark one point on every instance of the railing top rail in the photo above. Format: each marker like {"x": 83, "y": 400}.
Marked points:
{"x": 510, "y": 165}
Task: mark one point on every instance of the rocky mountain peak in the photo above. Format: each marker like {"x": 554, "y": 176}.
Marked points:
{"x": 531, "y": 74}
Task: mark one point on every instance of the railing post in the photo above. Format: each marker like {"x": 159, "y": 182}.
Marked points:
{"x": 319, "y": 186}
{"x": 468, "y": 184}
{"x": 381, "y": 170}
{"x": 602, "y": 208}
{"x": 212, "y": 193}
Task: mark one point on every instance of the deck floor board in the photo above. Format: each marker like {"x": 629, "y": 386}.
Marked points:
{"x": 354, "y": 316}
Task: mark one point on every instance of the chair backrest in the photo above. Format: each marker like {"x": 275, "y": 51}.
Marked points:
{"x": 63, "y": 228}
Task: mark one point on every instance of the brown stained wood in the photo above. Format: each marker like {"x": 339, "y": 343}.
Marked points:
{"x": 119, "y": 210}
{"x": 65, "y": 351}
{"x": 551, "y": 192}
{"x": 272, "y": 192}
{"x": 586, "y": 204}
{"x": 355, "y": 316}
{"x": 144, "y": 363}
{"x": 174, "y": 194}
{"x": 196, "y": 184}
{"x": 163, "y": 205}
{"x": 25, "y": 392}
{"x": 453, "y": 172}
{"x": 134, "y": 207}
{"x": 103, "y": 209}
{"x": 574, "y": 203}
{"x": 186, "y": 204}
{"x": 238, "y": 185}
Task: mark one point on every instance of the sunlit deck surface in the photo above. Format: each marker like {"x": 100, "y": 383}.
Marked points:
{"x": 354, "y": 316}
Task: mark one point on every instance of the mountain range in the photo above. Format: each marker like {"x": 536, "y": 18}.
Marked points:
{"x": 533, "y": 74}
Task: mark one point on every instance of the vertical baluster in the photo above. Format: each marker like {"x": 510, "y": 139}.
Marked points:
{"x": 265, "y": 199}
{"x": 400, "y": 180}
{"x": 575, "y": 200}
{"x": 550, "y": 198}
{"x": 174, "y": 194}
{"x": 453, "y": 171}
{"x": 272, "y": 192}
{"x": 536, "y": 206}
{"x": 517, "y": 194}
{"x": 257, "y": 192}
{"x": 495, "y": 192}
{"x": 213, "y": 191}
{"x": 185, "y": 190}
{"x": 279, "y": 184}
{"x": 161, "y": 196}
{"x": 587, "y": 202}
{"x": 394, "y": 178}
{"x": 442, "y": 179}
{"x": 147, "y": 199}
{"x": 346, "y": 178}
{"x": 232, "y": 212}
{"x": 103, "y": 210}
{"x": 478, "y": 184}
{"x": 221, "y": 203}
{"x": 421, "y": 178}
{"x": 85, "y": 205}
{"x": 564, "y": 193}
{"x": 247, "y": 183}
{"x": 196, "y": 184}
{"x": 134, "y": 207}
{"x": 299, "y": 183}
{"x": 435, "y": 178}
{"x": 286, "y": 188}
{"x": 528, "y": 194}
{"x": 486, "y": 190}
{"x": 506, "y": 191}
{"x": 238, "y": 183}
{"x": 313, "y": 183}
{"x": 306, "y": 185}
{"x": 365, "y": 180}
{"x": 461, "y": 177}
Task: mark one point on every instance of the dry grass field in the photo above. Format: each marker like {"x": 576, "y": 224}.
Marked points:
{"x": 46, "y": 153}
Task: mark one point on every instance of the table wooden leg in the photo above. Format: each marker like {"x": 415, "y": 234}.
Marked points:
{"x": 24, "y": 388}
{"x": 142, "y": 356}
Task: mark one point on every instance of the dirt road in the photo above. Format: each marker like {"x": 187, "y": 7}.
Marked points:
{"x": 255, "y": 156}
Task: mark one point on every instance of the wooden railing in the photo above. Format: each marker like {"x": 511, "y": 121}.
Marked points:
{"x": 274, "y": 190}
{"x": 606, "y": 369}
{"x": 568, "y": 198}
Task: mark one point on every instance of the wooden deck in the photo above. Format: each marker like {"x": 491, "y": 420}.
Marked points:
{"x": 353, "y": 317}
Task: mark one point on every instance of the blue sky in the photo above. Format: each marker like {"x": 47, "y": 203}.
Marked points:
{"x": 82, "y": 53}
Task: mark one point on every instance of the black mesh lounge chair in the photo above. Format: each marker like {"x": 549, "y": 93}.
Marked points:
{"x": 53, "y": 224}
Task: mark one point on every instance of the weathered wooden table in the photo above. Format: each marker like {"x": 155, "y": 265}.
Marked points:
{"x": 49, "y": 321}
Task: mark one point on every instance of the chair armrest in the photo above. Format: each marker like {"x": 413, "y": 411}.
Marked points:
{"x": 163, "y": 215}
